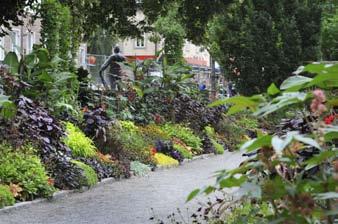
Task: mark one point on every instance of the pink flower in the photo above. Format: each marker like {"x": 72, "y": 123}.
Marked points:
{"x": 317, "y": 105}
{"x": 319, "y": 95}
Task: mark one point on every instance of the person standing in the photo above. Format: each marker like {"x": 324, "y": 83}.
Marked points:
{"x": 115, "y": 70}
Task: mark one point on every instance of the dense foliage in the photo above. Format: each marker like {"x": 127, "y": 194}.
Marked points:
{"x": 12, "y": 13}
{"x": 266, "y": 40}
{"x": 329, "y": 42}
{"x": 6, "y": 196}
{"x": 26, "y": 171}
{"x": 89, "y": 177}
{"x": 77, "y": 141}
{"x": 291, "y": 177}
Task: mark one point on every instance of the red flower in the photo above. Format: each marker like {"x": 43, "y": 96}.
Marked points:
{"x": 158, "y": 119}
{"x": 329, "y": 119}
{"x": 50, "y": 181}
{"x": 153, "y": 151}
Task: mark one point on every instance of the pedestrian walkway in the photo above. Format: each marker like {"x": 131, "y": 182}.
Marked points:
{"x": 127, "y": 201}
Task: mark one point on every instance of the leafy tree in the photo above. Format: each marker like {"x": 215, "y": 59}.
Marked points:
{"x": 12, "y": 13}
{"x": 101, "y": 42}
{"x": 170, "y": 28}
{"x": 308, "y": 17}
{"x": 259, "y": 42}
{"x": 329, "y": 37}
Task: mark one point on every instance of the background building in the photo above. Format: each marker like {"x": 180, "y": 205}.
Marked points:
{"x": 22, "y": 38}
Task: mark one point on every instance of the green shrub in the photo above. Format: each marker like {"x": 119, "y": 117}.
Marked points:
{"x": 139, "y": 169}
{"x": 219, "y": 149}
{"x": 90, "y": 178}
{"x": 24, "y": 170}
{"x": 210, "y": 132}
{"x": 230, "y": 132}
{"x": 153, "y": 132}
{"x": 128, "y": 126}
{"x": 135, "y": 146}
{"x": 78, "y": 142}
{"x": 126, "y": 141}
{"x": 183, "y": 151}
{"x": 185, "y": 134}
{"x": 6, "y": 196}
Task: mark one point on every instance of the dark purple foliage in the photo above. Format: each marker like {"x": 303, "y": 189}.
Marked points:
{"x": 167, "y": 148}
{"x": 34, "y": 124}
{"x": 195, "y": 113}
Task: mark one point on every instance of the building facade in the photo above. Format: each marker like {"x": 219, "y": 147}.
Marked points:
{"x": 22, "y": 38}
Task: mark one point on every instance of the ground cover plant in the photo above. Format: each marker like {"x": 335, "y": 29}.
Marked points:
{"x": 22, "y": 169}
{"x": 291, "y": 175}
{"x": 78, "y": 142}
{"x": 6, "y": 196}
{"x": 185, "y": 134}
{"x": 89, "y": 178}
{"x": 164, "y": 160}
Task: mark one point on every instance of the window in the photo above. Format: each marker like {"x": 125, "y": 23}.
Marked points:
{"x": 2, "y": 48}
{"x": 15, "y": 41}
{"x": 30, "y": 42}
{"x": 140, "y": 42}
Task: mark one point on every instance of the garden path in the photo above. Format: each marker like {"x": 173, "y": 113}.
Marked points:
{"x": 127, "y": 201}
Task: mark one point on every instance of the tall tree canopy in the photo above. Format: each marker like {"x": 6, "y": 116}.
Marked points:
{"x": 11, "y": 13}
{"x": 261, "y": 41}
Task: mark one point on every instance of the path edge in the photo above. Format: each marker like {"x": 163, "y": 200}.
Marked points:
{"x": 64, "y": 193}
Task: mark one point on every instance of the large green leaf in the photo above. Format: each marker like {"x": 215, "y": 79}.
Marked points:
{"x": 295, "y": 81}
{"x": 331, "y": 133}
{"x": 239, "y": 103}
{"x": 280, "y": 144}
{"x": 12, "y": 61}
{"x": 257, "y": 143}
{"x": 280, "y": 102}
{"x": 232, "y": 182}
{"x": 273, "y": 90}
{"x": 306, "y": 140}
{"x": 327, "y": 195}
{"x": 3, "y": 99}
{"x": 327, "y": 80}
{"x": 318, "y": 159}
{"x": 192, "y": 195}
{"x": 327, "y": 75}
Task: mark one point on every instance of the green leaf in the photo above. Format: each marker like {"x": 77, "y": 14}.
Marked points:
{"x": 273, "y": 90}
{"x": 315, "y": 68}
{"x": 12, "y": 61}
{"x": 331, "y": 133}
{"x": 327, "y": 195}
{"x": 8, "y": 110}
{"x": 138, "y": 91}
{"x": 295, "y": 81}
{"x": 3, "y": 99}
{"x": 325, "y": 81}
{"x": 279, "y": 144}
{"x": 257, "y": 143}
{"x": 306, "y": 140}
{"x": 327, "y": 75}
{"x": 232, "y": 182}
{"x": 280, "y": 102}
{"x": 240, "y": 103}
{"x": 192, "y": 195}
{"x": 318, "y": 159}
{"x": 209, "y": 190}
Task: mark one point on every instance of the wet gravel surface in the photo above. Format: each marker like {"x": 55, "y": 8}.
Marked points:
{"x": 127, "y": 201}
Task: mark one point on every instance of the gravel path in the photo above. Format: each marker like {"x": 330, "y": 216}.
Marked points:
{"x": 127, "y": 201}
